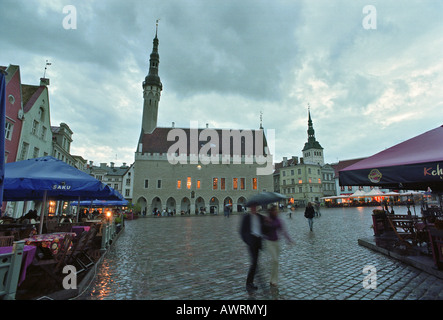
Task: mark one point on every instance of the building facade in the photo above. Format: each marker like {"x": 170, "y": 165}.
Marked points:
{"x": 28, "y": 131}
{"x": 36, "y": 136}
{"x": 307, "y": 179}
{"x": 61, "y": 144}
{"x": 187, "y": 170}
{"x": 14, "y": 114}
{"x": 111, "y": 175}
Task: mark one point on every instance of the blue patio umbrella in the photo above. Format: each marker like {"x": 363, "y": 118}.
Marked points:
{"x": 33, "y": 178}
{"x": 101, "y": 203}
{"x": 49, "y": 178}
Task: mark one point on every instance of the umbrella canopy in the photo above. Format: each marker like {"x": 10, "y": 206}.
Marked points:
{"x": 46, "y": 176}
{"x": 100, "y": 203}
{"x": 358, "y": 194}
{"x": 415, "y": 164}
{"x": 264, "y": 198}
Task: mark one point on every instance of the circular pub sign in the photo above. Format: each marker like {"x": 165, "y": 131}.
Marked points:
{"x": 375, "y": 176}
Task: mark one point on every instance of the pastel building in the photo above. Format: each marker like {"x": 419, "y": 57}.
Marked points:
{"x": 14, "y": 112}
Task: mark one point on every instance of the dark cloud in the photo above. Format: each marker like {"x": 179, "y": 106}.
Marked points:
{"x": 224, "y": 62}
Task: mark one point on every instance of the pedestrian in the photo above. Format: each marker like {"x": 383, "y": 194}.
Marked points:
{"x": 317, "y": 209}
{"x": 251, "y": 231}
{"x": 227, "y": 211}
{"x": 273, "y": 227}
{"x": 309, "y": 214}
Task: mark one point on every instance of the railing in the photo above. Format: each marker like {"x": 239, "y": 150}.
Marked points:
{"x": 109, "y": 232}
{"x": 10, "y": 265}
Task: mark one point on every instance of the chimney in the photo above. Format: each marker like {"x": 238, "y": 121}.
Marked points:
{"x": 285, "y": 161}
{"x": 44, "y": 81}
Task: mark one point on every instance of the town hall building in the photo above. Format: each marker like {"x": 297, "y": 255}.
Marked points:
{"x": 195, "y": 170}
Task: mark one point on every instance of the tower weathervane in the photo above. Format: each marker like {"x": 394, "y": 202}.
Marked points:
{"x": 261, "y": 119}
{"x": 46, "y": 67}
{"x": 156, "y": 27}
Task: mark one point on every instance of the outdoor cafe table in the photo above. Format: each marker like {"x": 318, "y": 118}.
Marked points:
{"x": 28, "y": 257}
{"x": 78, "y": 230}
{"x": 51, "y": 241}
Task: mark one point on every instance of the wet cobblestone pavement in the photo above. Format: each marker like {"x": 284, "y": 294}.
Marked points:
{"x": 203, "y": 258}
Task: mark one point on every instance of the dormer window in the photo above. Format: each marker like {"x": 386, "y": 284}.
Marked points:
{"x": 41, "y": 114}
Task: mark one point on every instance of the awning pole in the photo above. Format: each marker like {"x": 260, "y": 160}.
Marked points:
{"x": 78, "y": 207}
{"x": 42, "y": 214}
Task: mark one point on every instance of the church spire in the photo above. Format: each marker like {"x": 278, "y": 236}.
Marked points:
{"x": 312, "y": 151}
{"x": 311, "y": 132}
{"x": 152, "y": 88}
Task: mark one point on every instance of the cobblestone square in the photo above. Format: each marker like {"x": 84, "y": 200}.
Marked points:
{"x": 203, "y": 258}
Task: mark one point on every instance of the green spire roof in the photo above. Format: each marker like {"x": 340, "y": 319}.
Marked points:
{"x": 312, "y": 143}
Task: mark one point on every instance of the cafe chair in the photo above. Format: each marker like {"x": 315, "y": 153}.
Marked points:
{"x": 6, "y": 241}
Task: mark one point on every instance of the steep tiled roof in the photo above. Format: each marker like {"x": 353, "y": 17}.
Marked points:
{"x": 30, "y": 94}
{"x": 157, "y": 141}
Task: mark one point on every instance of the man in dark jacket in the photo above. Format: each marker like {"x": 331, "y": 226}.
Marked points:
{"x": 251, "y": 231}
{"x": 309, "y": 214}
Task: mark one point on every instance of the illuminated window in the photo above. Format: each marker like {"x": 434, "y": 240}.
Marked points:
{"x": 235, "y": 183}
{"x": 242, "y": 183}
{"x": 300, "y": 181}
{"x": 188, "y": 183}
{"x": 198, "y": 184}
{"x": 214, "y": 183}
{"x": 254, "y": 183}
{"x": 222, "y": 183}
{"x": 179, "y": 184}
{"x": 319, "y": 180}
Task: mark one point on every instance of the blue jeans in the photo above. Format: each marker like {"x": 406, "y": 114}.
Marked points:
{"x": 311, "y": 223}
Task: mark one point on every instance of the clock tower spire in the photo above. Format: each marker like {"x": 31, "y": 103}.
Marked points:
{"x": 152, "y": 88}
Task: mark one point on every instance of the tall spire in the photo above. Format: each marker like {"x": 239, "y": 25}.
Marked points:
{"x": 152, "y": 88}
{"x": 313, "y": 151}
{"x": 152, "y": 79}
{"x": 312, "y": 143}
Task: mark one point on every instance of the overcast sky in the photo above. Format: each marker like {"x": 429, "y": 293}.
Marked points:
{"x": 373, "y": 76}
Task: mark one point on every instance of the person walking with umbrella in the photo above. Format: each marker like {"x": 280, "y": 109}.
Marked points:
{"x": 251, "y": 232}
{"x": 309, "y": 214}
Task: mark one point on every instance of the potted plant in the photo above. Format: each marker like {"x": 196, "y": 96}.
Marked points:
{"x": 118, "y": 223}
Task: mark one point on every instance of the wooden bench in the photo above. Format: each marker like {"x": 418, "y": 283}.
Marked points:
{"x": 404, "y": 228}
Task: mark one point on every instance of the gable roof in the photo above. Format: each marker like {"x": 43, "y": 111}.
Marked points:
{"x": 157, "y": 141}
{"x": 30, "y": 94}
